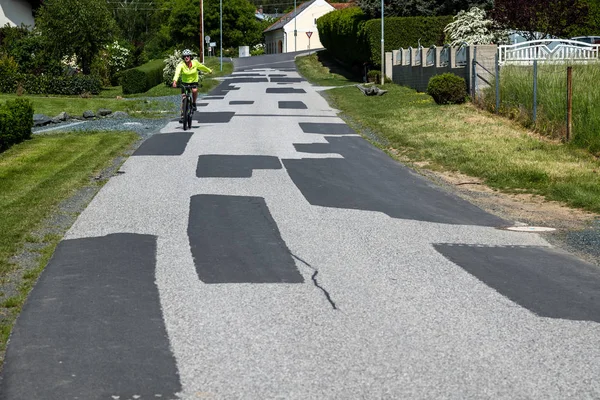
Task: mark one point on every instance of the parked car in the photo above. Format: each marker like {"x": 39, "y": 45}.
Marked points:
{"x": 587, "y": 39}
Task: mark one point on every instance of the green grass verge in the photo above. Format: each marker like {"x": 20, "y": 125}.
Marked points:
{"x": 75, "y": 106}
{"x": 474, "y": 142}
{"x": 320, "y": 69}
{"x": 35, "y": 177}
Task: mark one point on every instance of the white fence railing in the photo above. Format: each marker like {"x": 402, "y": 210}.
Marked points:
{"x": 548, "y": 50}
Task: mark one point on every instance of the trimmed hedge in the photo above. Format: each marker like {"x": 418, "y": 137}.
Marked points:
{"x": 48, "y": 84}
{"x": 342, "y": 33}
{"x": 143, "y": 78}
{"x": 16, "y": 121}
{"x": 404, "y": 32}
{"x": 353, "y": 39}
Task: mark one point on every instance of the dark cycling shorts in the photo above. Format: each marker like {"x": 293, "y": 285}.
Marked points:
{"x": 193, "y": 85}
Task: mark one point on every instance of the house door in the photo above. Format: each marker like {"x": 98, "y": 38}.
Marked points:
{"x": 280, "y": 47}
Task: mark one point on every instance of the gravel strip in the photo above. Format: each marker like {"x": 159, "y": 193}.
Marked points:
{"x": 145, "y": 127}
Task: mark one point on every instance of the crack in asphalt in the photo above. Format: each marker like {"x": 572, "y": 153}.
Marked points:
{"x": 316, "y": 283}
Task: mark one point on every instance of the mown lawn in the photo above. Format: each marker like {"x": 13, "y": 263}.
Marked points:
{"x": 35, "y": 177}
{"x": 472, "y": 141}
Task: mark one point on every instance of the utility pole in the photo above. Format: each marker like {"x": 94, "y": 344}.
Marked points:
{"x": 382, "y": 47}
{"x": 202, "y": 31}
{"x": 295, "y": 31}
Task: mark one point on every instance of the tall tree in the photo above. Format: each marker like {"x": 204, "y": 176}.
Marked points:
{"x": 537, "y": 20}
{"x": 80, "y": 27}
{"x": 414, "y": 8}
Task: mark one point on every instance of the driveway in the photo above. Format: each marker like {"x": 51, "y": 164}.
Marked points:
{"x": 271, "y": 252}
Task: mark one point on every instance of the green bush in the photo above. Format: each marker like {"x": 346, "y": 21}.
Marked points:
{"x": 16, "y": 120}
{"x": 447, "y": 88}
{"x": 352, "y": 39}
{"x": 404, "y": 32}
{"x": 142, "y": 78}
{"x": 50, "y": 84}
{"x": 342, "y": 33}
{"x": 373, "y": 76}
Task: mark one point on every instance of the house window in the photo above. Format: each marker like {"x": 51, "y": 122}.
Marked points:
{"x": 315, "y": 22}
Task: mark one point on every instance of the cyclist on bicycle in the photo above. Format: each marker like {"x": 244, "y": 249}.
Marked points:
{"x": 188, "y": 69}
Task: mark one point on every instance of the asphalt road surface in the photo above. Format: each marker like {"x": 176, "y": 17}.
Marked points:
{"x": 271, "y": 252}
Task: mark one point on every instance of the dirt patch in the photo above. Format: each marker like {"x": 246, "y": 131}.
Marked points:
{"x": 524, "y": 208}
{"x": 577, "y": 231}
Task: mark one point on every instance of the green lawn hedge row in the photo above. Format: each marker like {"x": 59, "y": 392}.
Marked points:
{"x": 143, "y": 78}
{"x": 404, "y": 32}
{"x": 353, "y": 39}
{"x": 16, "y": 121}
{"x": 342, "y": 33}
{"x": 49, "y": 84}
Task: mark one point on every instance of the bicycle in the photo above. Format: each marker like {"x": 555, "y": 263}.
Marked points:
{"x": 187, "y": 106}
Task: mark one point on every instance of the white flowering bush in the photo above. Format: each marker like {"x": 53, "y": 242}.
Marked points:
{"x": 118, "y": 57}
{"x": 257, "y": 49}
{"x": 472, "y": 27}
{"x": 70, "y": 62}
{"x": 170, "y": 65}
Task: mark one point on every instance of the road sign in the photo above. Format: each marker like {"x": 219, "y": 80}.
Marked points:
{"x": 213, "y": 44}
{"x": 309, "y": 34}
{"x": 207, "y": 39}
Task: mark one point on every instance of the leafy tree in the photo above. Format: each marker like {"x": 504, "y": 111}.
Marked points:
{"x": 474, "y": 28}
{"x": 415, "y": 8}
{"x": 240, "y": 26}
{"x": 80, "y": 27}
{"x": 134, "y": 18}
{"x": 533, "y": 16}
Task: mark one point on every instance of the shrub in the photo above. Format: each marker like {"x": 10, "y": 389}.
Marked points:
{"x": 373, "y": 76}
{"x": 342, "y": 34}
{"x": 447, "y": 88}
{"x": 170, "y": 64}
{"x": 142, "y": 78}
{"x": 16, "y": 120}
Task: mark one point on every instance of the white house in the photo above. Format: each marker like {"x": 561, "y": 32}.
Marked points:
{"x": 17, "y": 12}
{"x": 279, "y": 37}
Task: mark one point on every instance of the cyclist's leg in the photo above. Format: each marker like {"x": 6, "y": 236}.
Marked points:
{"x": 195, "y": 94}
{"x": 181, "y": 110}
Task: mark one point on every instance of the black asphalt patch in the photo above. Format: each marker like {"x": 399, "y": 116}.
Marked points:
{"x": 326, "y": 128}
{"x": 246, "y": 80}
{"x": 285, "y": 90}
{"x": 288, "y": 80}
{"x": 213, "y": 98}
{"x": 232, "y": 166}
{"x": 296, "y": 105}
{"x": 164, "y": 144}
{"x": 92, "y": 327}
{"x": 240, "y": 102}
{"x": 213, "y": 117}
{"x": 368, "y": 179}
{"x": 314, "y": 148}
{"x": 276, "y": 75}
{"x": 201, "y": 104}
{"x": 246, "y": 74}
{"x": 548, "y": 282}
{"x": 235, "y": 240}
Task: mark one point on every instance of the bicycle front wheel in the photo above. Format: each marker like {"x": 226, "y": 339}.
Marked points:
{"x": 184, "y": 108}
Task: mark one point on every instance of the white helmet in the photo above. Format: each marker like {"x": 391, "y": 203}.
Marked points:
{"x": 186, "y": 52}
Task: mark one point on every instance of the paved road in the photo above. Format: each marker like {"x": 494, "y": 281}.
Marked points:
{"x": 273, "y": 253}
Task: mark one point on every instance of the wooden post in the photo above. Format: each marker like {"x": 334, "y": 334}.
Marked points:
{"x": 569, "y": 101}
{"x": 201, "y": 32}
